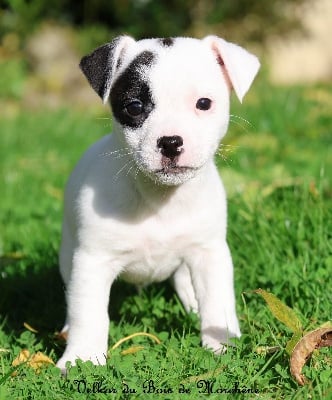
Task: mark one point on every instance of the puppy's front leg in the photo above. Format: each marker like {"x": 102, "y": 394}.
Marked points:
{"x": 212, "y": 275}
{"x": 87, "y": 297}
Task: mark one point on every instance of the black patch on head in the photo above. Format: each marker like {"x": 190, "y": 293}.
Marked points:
{"x": 167, "y": 42}
{"x": 130, "y": 86}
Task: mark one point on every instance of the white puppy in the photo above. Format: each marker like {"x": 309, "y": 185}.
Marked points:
{"x": 146, "y": 203}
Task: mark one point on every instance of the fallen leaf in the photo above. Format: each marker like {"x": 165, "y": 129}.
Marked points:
{"x": 39, "y": 360}
{"x": 320, "y": 337}
{"x": 326, "y": 340}
{"x": 21, "y": 358}
{"x": 282, "y": 312}
{"x": 35, "y": 361}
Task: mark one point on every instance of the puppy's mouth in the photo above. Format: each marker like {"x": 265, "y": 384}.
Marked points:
{"x": 171, "y": 167}
{"x": 169, "y": 172}
{"x": 174, "y": 170}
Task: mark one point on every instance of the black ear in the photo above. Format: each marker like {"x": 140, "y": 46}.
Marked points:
{"x": 99, "y": 67}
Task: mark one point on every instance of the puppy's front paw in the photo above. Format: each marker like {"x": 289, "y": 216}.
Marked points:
{"x": 213, "y": 345}
{"x": 62, "y": 364}
{"x": 217, "y": 339}
{"x": 72, "y": 356}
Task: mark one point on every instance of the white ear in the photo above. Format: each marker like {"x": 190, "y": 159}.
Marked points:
{"x": 100, "y": 66}
{"x": 240, "y": 66}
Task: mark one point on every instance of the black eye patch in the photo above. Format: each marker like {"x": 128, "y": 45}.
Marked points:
{"x": 131, "y": 97}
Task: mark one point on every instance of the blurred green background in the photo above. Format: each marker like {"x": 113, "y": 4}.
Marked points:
{"x": 143, "y": 18}
{"x": 42, "y": 41}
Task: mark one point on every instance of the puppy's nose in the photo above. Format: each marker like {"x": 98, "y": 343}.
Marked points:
{"x": 170, "y": 146}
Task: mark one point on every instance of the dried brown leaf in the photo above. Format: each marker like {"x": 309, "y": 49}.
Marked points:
{"x": 35, "y": 361}
{"x": 39, "y": 360}
{"x": 320, "y": 337}
{"x": 21, "y": 358}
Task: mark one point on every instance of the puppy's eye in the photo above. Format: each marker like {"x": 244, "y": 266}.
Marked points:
{"x": 203, "y": 104}
{"x": 134, "y": 108}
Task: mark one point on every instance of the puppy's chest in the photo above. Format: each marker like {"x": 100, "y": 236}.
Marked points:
{"x": 153, "y": 251}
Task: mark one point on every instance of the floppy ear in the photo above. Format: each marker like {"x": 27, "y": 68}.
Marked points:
{"x": 240, "y": 66}
{"x": 99, "y": 67}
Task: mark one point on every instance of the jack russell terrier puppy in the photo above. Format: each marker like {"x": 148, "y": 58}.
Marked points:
{"x": 146, "y": 202}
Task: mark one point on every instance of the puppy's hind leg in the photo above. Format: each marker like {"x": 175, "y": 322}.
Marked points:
{"x": 183, "y": 286}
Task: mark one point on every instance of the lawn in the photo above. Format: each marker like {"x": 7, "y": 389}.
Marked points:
{"x": 276, "y": 163}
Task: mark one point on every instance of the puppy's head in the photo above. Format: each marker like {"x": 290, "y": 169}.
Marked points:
{"x": 170, "y": 98}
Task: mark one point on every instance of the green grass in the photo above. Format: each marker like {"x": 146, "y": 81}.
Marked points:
{"x": 277, "y": 171}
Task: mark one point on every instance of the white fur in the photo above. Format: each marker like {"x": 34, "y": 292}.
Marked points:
{"x": 123, "y": 219}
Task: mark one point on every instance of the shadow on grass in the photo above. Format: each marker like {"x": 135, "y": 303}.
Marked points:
{"x": 32, "y": 292}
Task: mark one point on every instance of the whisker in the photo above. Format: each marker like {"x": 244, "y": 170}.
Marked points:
{"x": 108, "y": 119}
{"x": 109, "y": 153}
{"x": 136, "y": 172}
{"x": 125, "y": 154}
{"x": 231, "y": 146}
{"x": 225, "y": 151}
{"x": 246, "y": 130}
{"x": 129, "y": 169}
{"x": 127, "y": 164}
{"x": 237, "y": 120}
{"x": 240, "y": 118}
{"x": 116, "y": 176}
{"x": 226, "y": 148}
{"x": 120, "y": 153}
